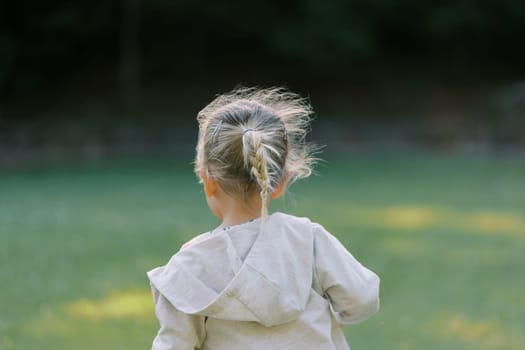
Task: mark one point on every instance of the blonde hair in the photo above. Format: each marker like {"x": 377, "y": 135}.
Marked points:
{"x": 253, "y": 139}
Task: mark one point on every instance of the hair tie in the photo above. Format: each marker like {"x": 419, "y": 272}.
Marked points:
{"x": 246, "y": 130}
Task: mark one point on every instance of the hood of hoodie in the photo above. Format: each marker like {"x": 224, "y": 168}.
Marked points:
{"x": 271, "y": 284}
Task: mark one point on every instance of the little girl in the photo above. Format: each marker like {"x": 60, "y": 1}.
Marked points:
{"x": 258, "y": 281}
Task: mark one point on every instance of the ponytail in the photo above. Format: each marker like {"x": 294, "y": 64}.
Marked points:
{"x": 255, "y": 160}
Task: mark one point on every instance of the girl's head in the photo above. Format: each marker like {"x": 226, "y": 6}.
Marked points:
{"x": 253, "y": 141}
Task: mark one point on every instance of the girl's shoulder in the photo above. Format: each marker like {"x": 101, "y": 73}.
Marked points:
{"x": 302, "y": 223}
{"x": 194, "y": 240}
{"x": 293, "y": 219}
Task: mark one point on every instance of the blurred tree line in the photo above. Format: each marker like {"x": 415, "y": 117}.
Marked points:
{"x": 97, "y": 78}
{"x": 41, "y": 41}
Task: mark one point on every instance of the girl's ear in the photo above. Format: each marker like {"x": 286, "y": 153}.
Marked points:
{"x": 279, "y": 190}
{"x": 209, "y": 183}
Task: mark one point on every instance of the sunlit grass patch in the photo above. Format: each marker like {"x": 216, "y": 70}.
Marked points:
{"x": 417, "y": 218}
{"x": 119, "y": 320}
{"x": 136, "y": 305}
{"x": 475, "y": 333}
{"x": 505, "y": 223}
{"x": 410, "y": 218}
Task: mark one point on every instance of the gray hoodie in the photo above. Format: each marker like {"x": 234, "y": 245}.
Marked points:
{"x": 284, "y": 284}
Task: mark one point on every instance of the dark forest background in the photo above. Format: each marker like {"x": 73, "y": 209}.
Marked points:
{"x": 104, "y": 79}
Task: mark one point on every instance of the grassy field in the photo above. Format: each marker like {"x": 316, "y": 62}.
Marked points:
{"x": 445, "y": 233}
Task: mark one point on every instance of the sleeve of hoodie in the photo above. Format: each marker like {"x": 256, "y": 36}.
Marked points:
{"x": 178, "y": 330}
{"x": 351, "y": 288}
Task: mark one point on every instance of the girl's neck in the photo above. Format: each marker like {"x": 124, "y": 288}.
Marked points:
{"x": 237, "y": 220}
{"x": 234, "y": 211}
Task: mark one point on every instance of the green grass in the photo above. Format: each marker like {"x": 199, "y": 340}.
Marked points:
{"x": 445, "y": 233}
